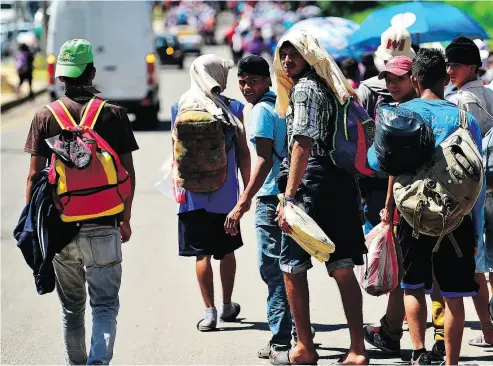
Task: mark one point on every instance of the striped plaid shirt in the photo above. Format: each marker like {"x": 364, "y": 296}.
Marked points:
{"x": 311, "y": 113}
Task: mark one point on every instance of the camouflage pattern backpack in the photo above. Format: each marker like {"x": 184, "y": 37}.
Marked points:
{"x": 436, "y": 199}
{"x": 200, "y": 151}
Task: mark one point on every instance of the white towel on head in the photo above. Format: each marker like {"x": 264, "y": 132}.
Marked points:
{"x": 207, "y": 73}
{"x": 325, "y": 67}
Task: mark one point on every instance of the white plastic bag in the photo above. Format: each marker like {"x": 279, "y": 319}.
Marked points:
{"x": 165, "y": 185}
{"x": 380, "y": 273}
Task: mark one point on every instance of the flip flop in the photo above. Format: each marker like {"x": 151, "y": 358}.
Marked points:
{"x": 341, "y": 360}
{"x": 479, "y": 342}
{"x": 264, "y": 352}
{"x": 282, "y": 358}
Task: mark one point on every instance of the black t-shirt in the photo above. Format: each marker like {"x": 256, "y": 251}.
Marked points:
{"x": 112, "y": 125}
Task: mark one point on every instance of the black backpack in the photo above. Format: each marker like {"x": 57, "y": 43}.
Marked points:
{"x": 403, "y": 142}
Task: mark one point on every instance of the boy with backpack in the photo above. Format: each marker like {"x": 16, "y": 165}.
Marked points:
{"x": 387, "y": 335}
{"x": 268, "y": 135}
{"x": 209, "y": 147}
{"x": 395, "y": 41}
{"x": 451, "y": 261}
{"x": 103, "y": 215}
{"x": 463, "y": 63}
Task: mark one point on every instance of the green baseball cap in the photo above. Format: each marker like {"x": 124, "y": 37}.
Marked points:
{"x": 73, "y": 58}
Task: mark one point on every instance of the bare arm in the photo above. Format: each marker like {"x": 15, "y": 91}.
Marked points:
{"x": 128, "y": 164}
{"x": 299, "y": 162}
{"x": 262, "y": 168}
{"x": 36, "y": 165}
{"x": 388, "y": 214}
{"x": 125, "y": 228}
{"x": 260, "y": 173}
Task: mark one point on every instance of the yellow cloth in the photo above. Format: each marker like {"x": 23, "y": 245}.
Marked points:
{"x": 438, "y": 316}
{"x": 309, "y": 47}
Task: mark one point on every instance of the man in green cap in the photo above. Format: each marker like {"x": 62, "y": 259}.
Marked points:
{"x": 74, "y": 56}
{"x": 98, "y": 242}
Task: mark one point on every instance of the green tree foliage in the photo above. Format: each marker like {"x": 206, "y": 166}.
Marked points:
{"x": 344, "y": 8}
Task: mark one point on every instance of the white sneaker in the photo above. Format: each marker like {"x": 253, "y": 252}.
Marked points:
{"x": 229, "y": 312}
{"x": 209, "y": 322}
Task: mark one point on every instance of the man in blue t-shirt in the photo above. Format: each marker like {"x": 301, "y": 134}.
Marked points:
{"x": 267, "y": 133}
{"x": 455, "y": 275}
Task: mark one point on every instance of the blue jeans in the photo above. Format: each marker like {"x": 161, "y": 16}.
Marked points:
{"x": 269, "y": 249}
{"x": 94, "y": 255}
{"x": 484, "y": 258}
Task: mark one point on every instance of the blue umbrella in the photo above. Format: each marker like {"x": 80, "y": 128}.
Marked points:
{"x": 425, "y": 21}
{"x": 332, "y": 32}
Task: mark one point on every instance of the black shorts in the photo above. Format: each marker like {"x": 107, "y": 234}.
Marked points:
{"x": 454, "y": 275}
{"x": 25, "y": 77}
{"x": 329, "y": 196}
{"x": 202, "y": 233}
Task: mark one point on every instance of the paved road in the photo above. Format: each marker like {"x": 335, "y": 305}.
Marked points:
{"x": 160, "y": 300}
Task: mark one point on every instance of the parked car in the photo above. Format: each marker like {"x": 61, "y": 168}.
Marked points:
{"x": 124, "y": 51}
{"x": 169, "y": 50}
{"x": 189, "y": 38}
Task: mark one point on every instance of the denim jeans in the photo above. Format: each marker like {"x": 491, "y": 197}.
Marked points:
{"x": 484, "y": 258}
{"x": 94, "y": 256}
{"x": 269, "y": 249}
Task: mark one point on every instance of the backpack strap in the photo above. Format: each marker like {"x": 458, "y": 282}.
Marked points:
{"x": 271, "y": 99}
{"x": 475, "y": 101}
{"x": 462, "y": 118}
{"x": 61, "y": 114}
{"x": 91, "y": 114}
{"x": 65, "y": 119}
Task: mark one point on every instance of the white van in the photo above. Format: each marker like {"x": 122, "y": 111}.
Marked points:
{"x": 123, "y": 45}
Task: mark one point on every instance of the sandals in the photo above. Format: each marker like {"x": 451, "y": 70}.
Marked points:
{"x": 479, "y": 342}
{"x": 264, "y": 352}
{"x": 341, "y": 360}
{"x": 282, "y": 358}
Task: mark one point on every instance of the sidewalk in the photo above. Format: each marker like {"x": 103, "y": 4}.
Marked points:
{"x": 9, "y": 81}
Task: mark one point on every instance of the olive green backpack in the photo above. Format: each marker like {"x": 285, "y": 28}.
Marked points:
{"x": 436, "y": 199}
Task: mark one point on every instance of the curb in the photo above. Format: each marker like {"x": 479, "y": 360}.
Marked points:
{"x": 14, "y": 103}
